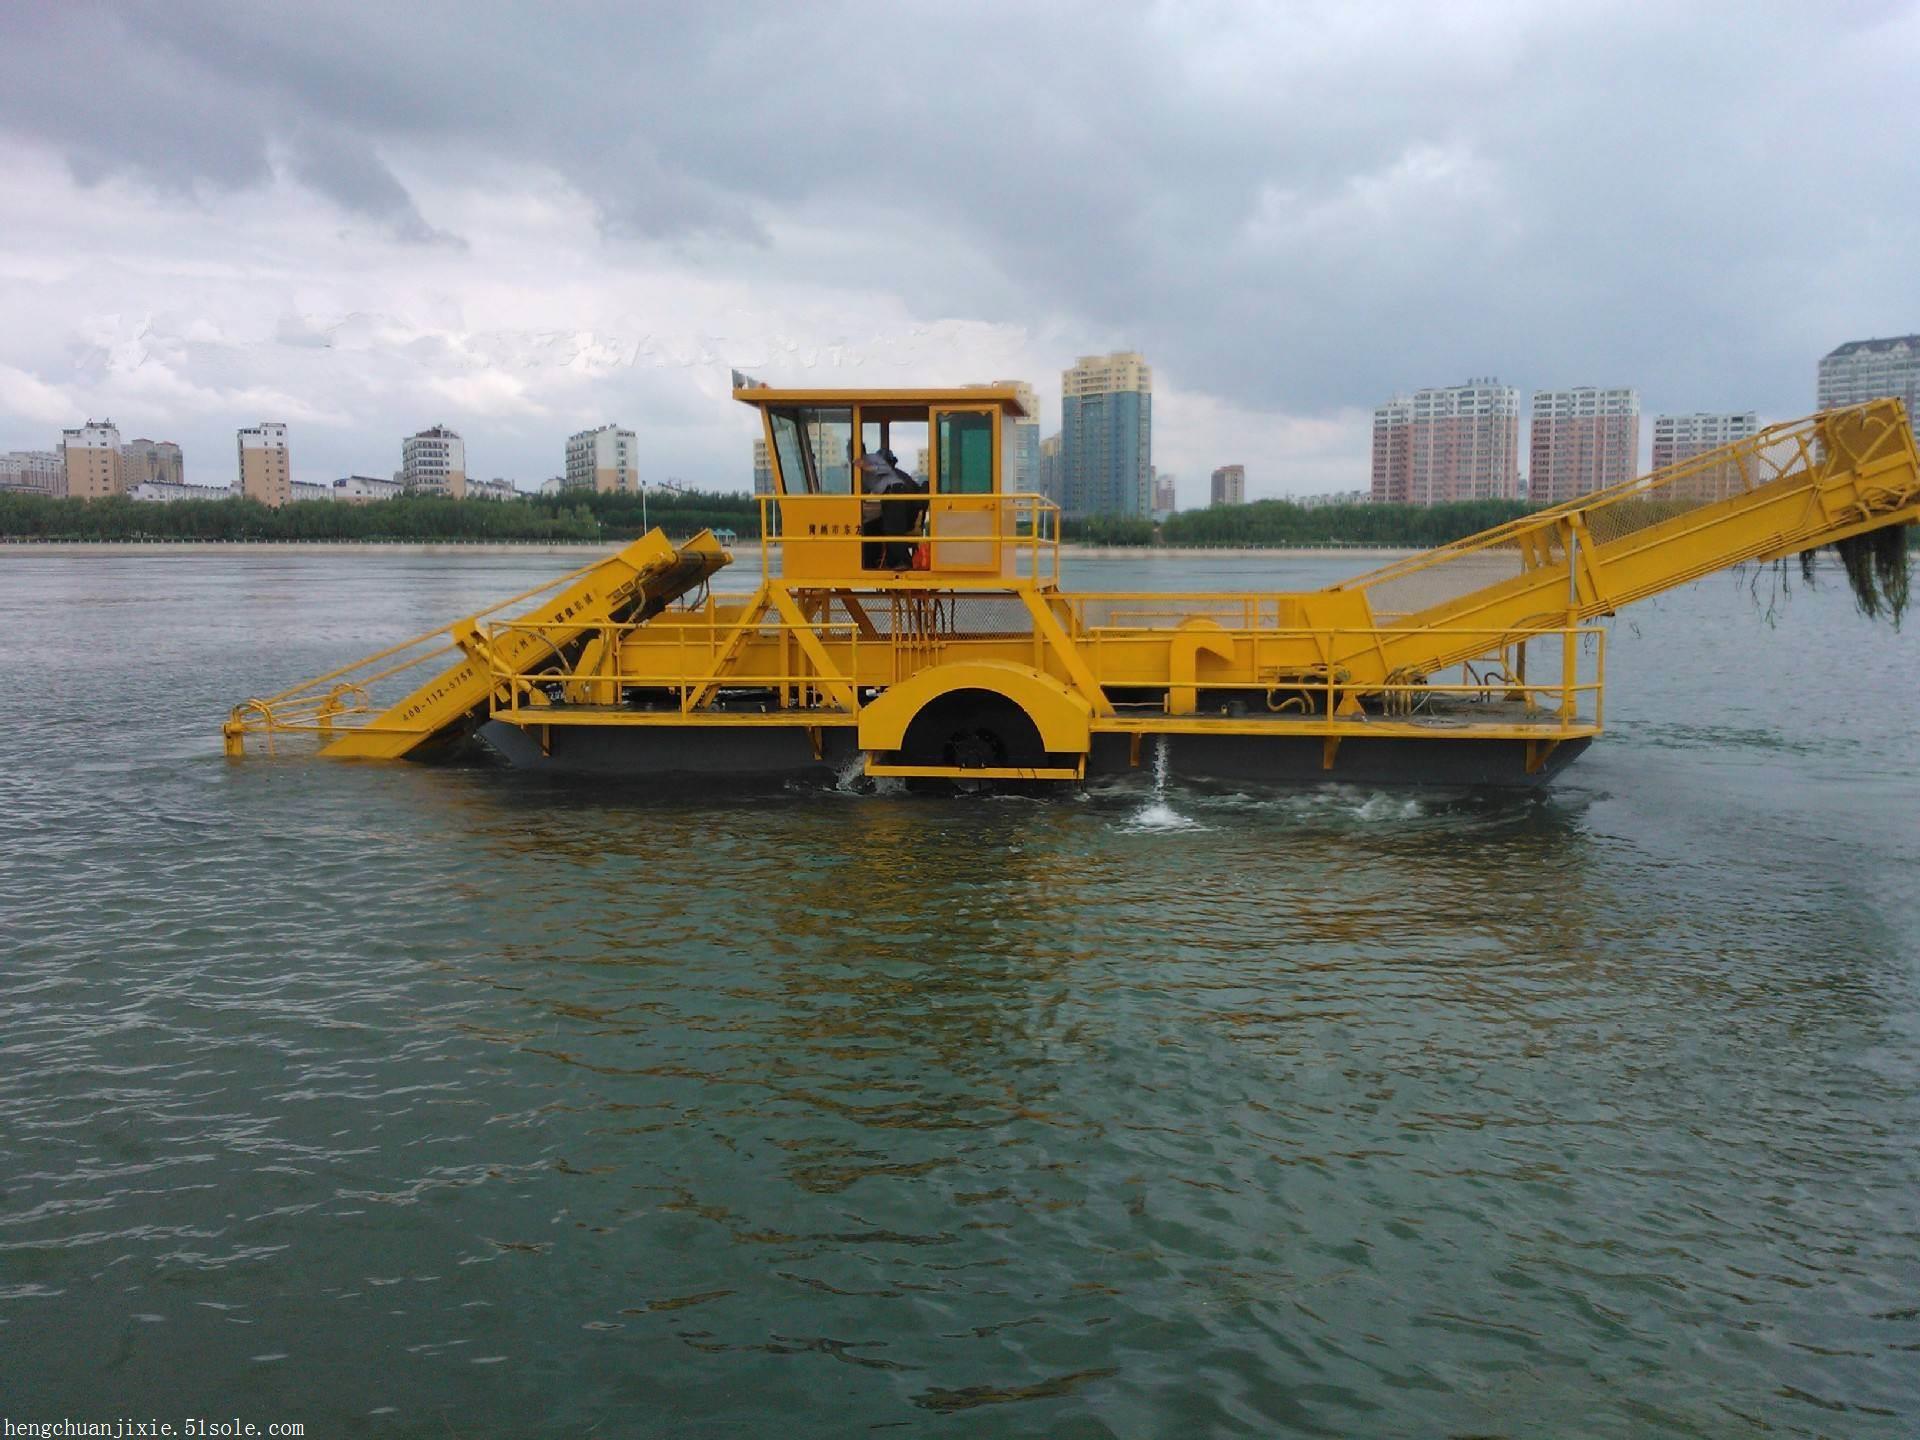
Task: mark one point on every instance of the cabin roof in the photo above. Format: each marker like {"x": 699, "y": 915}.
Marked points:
{"x": 1003, "y": 396}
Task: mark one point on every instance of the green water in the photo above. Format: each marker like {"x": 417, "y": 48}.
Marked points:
{"x": 413, "y": 1101}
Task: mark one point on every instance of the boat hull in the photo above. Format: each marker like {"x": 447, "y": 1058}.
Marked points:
{"x": 786, "y": 751}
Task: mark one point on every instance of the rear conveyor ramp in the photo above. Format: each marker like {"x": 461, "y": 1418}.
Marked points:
{"x": 630, "y": 586}
{"x": 1790, "y": 488}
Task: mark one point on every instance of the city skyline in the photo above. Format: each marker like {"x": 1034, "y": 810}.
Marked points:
{"x": 1580, "y": 439}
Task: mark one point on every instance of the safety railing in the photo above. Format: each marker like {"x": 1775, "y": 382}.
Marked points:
{"x": 684, "y": 660}
{"x": 1549, "y": 678}
{"x": 1167, "y": 610}
{"x": 342, "y": 698}
{"x": 1542, "y": 676}
{"x": 1008, "y": 537}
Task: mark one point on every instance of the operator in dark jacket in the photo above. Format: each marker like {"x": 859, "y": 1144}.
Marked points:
{"x": 880, "y": 474}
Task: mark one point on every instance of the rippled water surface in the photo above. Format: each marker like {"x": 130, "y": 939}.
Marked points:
{"x": 447, "y": 1101}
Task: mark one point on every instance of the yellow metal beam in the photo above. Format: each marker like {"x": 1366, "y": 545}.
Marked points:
{"x": 826, "y": 674}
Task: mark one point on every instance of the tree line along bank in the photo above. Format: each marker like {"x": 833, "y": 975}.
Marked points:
{"x": 594, "y": 517}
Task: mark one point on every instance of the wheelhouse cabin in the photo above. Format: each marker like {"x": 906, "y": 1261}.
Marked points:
{"x": 841, "y": 516}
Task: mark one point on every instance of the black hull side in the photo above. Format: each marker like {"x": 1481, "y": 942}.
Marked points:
{"x": 779, "y": 751}
{"x": 1454, "y": 762}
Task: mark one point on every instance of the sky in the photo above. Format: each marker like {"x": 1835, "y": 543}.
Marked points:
{"x": 525, "y": 221}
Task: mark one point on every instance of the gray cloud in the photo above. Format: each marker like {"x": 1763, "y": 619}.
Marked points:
{"x": 1297, "y": 210}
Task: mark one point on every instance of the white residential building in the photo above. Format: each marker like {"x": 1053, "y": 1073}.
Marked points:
{"x": 365, "y": 489}
{"x": 1679, "y": 438}
{"x": 311, "y": 490}
{"x": 495, "y": 489}
{"x": 606, "y": 460}
{"x": 1863, "y": 370}
{"x": 434, "y": 462}
{"x": 165, "y": 492}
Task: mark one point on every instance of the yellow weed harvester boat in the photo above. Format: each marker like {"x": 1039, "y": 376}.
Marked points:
{"x": 935, "y": 641}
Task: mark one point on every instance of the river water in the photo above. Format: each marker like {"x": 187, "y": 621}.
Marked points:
{"x": 453, "y": 1101}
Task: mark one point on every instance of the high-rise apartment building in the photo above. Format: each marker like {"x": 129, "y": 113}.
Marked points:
{"x": 1052, "y": 483}
{"x": 762, "y": 471}
{"x": 90, "y": 459}
{"x": 434, "y": 462}
{"x": 1392, "y": 454}
{"x": 1106, "y": 435}
{"x": 152, "y": 462}
{"x": 1165, "y": 495}
{"x": 1020, "y": 442}
{"x": 1682, "y": 437}
{"x": 1583, "y": 439}
{"x": 1863, "y": 370}
{"x": 34, "y": 472}
{"x": 606, "y": 461}
{"x": 1229, "y": 485}
{"x": 1456, "y": 442}
{"x": 266, "y": 469}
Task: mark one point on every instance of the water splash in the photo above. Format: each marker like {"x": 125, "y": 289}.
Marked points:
{"x": 850, "y": 777}
{"x": 1387, "y": 807}
{"x": 1157, "y": 813}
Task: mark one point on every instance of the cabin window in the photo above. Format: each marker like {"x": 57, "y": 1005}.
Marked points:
{"x": 815, "y": 446}
{"x": 796, "y": 477}
{"x": 966, "y": 452}
{"x": 830, "y": 436}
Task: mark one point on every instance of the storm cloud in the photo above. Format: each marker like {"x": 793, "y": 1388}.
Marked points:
{"x": 364, "y": 220}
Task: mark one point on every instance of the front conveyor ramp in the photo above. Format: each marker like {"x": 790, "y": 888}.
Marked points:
{"x": 631, "y": 586}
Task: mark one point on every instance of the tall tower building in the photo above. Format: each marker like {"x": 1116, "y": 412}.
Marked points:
{"x": 92, "y": 460}
{"x": 1392, "y": 457}
{"x": 606, "y": 461}
{"x": 1863, "y": 370}
{"x": 1166, "y": 498}
{"x": 266, "y": 469}
{"x": 1456, "y": 442}
{"x": 1583, "y": 440}
{"x": 434, "y": 462}
{"x": 1229, "y": 485}
{"x": 1106, "y": 435}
